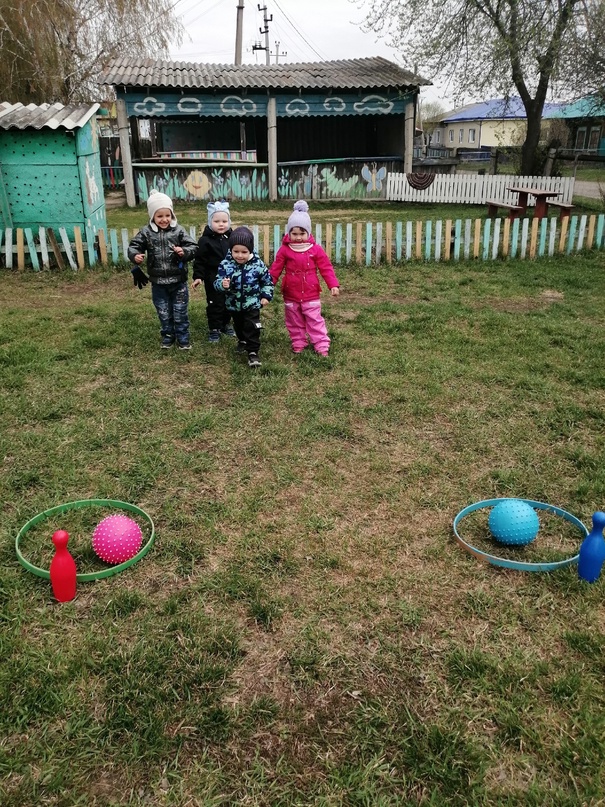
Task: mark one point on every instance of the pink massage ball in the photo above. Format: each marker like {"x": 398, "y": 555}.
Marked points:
{"x": 117, "y": 539}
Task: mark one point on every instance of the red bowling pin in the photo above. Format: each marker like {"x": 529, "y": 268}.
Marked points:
{"x": 62, "y": 569}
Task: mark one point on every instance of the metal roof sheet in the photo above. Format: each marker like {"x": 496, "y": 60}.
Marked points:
{"x": 53, "y": 116}
{"x": 496, "y": 108}
{"x": 591, "y": 106}
{"x": 350, "y": 74}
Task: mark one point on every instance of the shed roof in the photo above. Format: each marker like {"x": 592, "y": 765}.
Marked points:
{"x": 53, "y": 116}
{"x": 350, "y": 74}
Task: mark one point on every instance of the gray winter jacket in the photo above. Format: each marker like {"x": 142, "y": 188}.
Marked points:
{"x": 163, "y": 264}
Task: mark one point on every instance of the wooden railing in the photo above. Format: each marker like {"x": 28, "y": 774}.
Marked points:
{"x": 360, "y": 243}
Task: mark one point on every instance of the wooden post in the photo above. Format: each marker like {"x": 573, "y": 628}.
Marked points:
{"x": 55, "y": 247}
{"x": 266, "y": 244}
{"x": 20, "y": 249}
{"x": 408, "y": 156}
{"x": 79, "y": 247}
{"x": 358, "y": 243}
{"x": 124, "y": 131}
{"x": 328, "y": 244}
{"x": 102, "y": 246}
{"x": 272, "y": 146}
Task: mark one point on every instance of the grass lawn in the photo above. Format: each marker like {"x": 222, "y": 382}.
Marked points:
{"x": 249, "y": 213}
{"x": 305, "y": 630}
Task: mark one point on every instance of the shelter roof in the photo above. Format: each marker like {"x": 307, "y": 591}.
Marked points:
{"x": 496, "y": 108}
{"x": 53, "y": 116}
{"x": 348, "y": 74}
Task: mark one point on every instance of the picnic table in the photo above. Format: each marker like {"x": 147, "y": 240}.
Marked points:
{"x": 541, "y": 196}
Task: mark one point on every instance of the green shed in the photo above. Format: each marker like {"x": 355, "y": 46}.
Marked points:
{"x": 50, "y": 167}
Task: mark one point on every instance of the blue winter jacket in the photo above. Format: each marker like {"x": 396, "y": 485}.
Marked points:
{"x": 250, "y": 282}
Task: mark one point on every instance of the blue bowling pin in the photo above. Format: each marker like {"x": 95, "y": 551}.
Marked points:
{"x": 592, "y": 551}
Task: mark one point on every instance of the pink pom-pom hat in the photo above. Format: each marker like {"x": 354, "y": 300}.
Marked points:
{"x": 300, "y": 217}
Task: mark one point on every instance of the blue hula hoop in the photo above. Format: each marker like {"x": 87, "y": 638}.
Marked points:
{"x": 518, "y": 565}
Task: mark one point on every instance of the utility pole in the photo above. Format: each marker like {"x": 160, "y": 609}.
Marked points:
{"x": 277, "y": 53}
{"x": 238, "y": 32}
{"x": 238, "y": 60}
{"x": 265, "y": 31}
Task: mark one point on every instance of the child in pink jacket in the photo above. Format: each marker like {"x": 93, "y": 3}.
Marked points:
{"x": 300, "y": 257}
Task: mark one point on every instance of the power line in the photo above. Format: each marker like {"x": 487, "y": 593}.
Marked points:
{"x": 297, "y": 30}
{"x": 203, "y": 14}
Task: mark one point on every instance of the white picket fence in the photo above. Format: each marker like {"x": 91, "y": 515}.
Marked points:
{"x": 475, "y": 189}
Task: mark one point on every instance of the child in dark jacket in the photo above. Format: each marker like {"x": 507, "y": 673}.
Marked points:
{"x": 246, "y": 283}
{"x": 168, "y": 246}
{"x": 211, "y": 250}
{"x": 300, "y": 258}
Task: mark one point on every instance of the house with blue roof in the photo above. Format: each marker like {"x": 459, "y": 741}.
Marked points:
{"x": 497, "y": 123}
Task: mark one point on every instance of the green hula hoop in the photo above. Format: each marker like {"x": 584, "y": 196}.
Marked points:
{"x": 522, "y": 566}
{"x": 63, "y": 508}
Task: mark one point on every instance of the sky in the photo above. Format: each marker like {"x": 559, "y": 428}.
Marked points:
{"x": 300, "y": 31}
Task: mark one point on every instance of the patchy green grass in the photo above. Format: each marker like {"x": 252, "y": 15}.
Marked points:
{"x": 305, "y": 630}
{"x": 250, "y": 213}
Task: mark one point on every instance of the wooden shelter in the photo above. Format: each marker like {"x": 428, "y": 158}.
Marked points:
{"x": 319, "y": 130}
{"x": 50, "y": 170}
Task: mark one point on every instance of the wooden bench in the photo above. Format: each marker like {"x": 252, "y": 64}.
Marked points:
{"x": 564, "y": 207}
{"x": 494, "y": 204}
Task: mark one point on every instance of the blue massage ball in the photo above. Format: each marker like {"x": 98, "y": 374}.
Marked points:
{"x": 513, "y": 521}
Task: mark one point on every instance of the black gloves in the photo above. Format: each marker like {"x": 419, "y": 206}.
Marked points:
{"x": 139, "y": 277}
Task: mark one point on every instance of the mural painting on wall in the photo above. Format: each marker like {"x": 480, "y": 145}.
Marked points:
{"x": 92, "y": 187}
{"x": 196, "y": 185}
{"x": 334, "y": 182}
{"x": 344, "y": 181}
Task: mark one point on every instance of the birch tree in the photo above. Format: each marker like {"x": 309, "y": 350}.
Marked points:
{"x": 497, "y": 47}
{"x": 53, "y": 50}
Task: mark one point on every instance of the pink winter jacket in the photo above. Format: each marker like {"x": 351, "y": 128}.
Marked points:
{"x": 301, "y": 283}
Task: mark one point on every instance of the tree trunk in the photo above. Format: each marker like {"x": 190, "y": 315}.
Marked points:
{"x": 530, "y": 157}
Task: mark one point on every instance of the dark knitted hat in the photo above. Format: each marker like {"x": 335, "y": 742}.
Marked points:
{"x": 242, "y": 236}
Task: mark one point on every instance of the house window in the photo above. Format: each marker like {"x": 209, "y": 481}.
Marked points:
{"x": 471, "y": 135}
{"x": 461, "y": 135}
{"x": 451, "y": 133}
{"x": 581, "y": 138}
{"x": 594, "y": 137}
{"x": 438, "y": 136}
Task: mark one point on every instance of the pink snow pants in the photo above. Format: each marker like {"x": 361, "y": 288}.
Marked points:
{"x": 305, "y": 318}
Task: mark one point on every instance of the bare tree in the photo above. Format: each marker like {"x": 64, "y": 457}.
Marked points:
{"x": 431, "y": 113}
{"x": 53, "y": 50}
{"x": 497, "y": 47}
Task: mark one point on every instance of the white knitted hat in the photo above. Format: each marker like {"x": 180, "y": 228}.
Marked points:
{"x": 158, "y": 201}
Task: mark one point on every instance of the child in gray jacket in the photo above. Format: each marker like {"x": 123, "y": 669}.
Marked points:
{"x": 168, "y": 246}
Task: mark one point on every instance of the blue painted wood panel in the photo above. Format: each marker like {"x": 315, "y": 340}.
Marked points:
{"x": 289, "y": 105}
{"x": 43, "y": 147}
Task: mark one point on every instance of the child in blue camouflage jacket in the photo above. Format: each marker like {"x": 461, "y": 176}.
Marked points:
{"x": 247, "y": 285}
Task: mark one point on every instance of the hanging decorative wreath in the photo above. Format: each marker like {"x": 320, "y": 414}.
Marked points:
{"x": 420, "y": 181}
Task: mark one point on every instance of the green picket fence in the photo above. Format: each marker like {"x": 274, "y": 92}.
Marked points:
{"x": 359, "y": 243}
